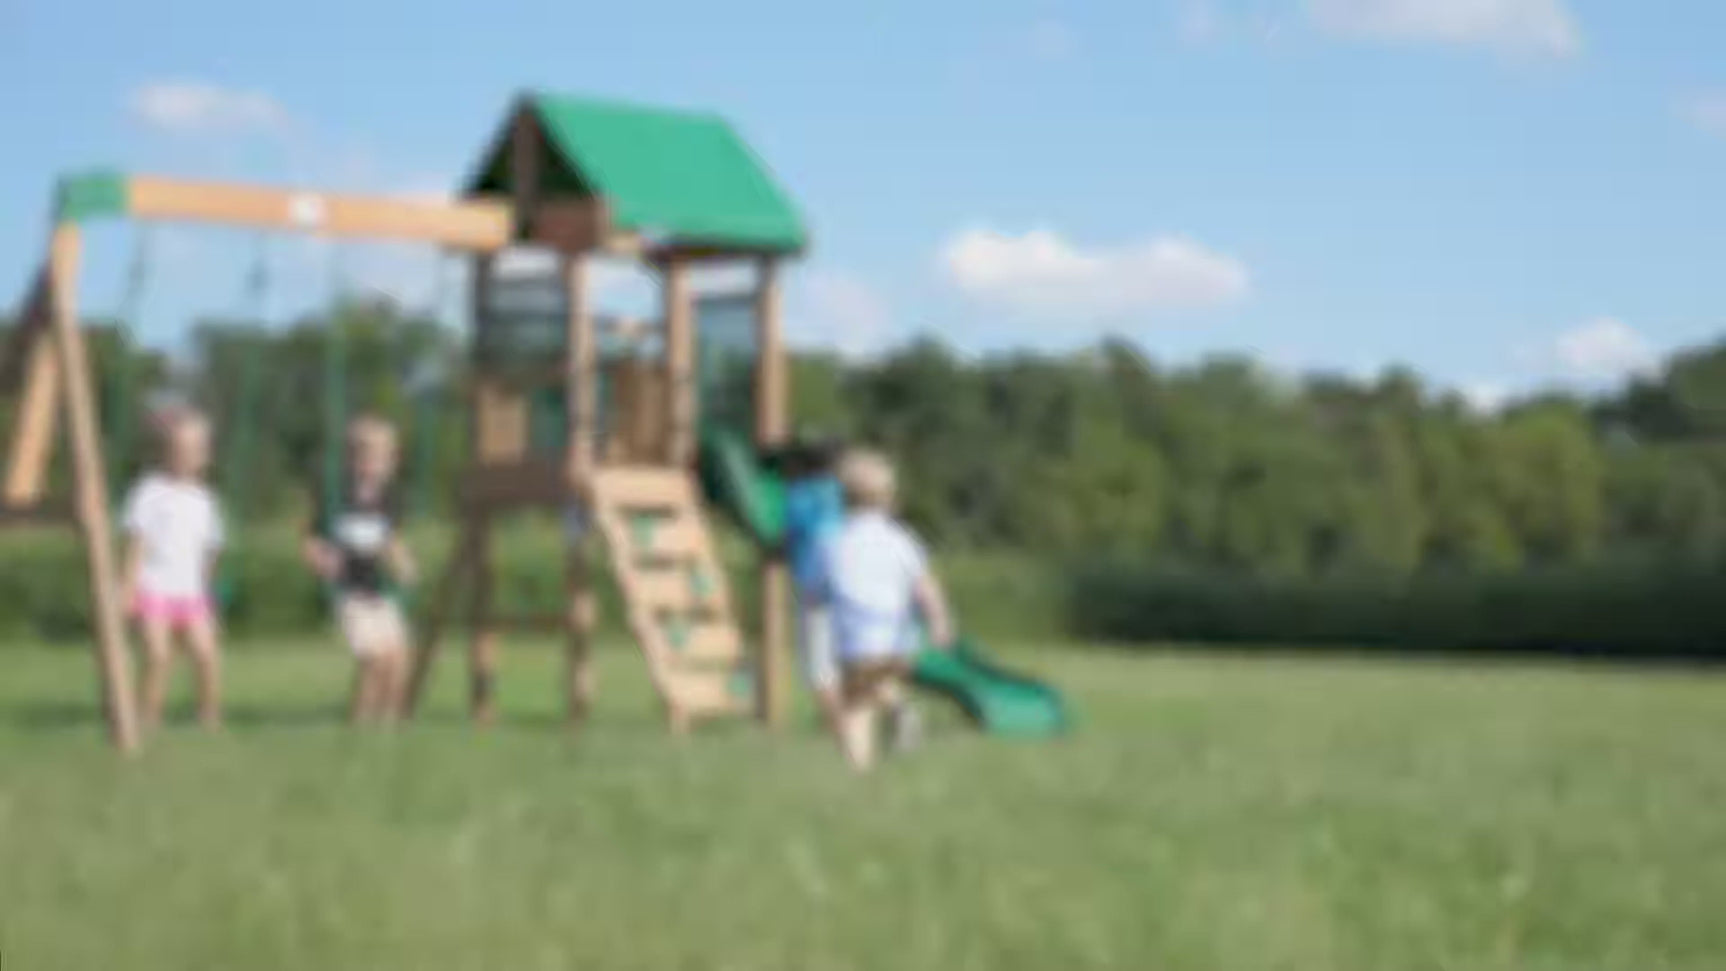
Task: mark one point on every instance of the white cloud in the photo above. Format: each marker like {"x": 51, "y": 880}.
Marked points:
{"x": 838, "y": 310}
{"x": 1545, "y": 27}
{"x": 1042, "y": 274}
{"x": 1707, "y": 111}
{"x": 195, "y": 107}
{"x": 1486, "y": 397}
{"x": 1603, "y": 350}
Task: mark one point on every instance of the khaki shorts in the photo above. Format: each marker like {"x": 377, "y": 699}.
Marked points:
{"x": 372, "y": 625}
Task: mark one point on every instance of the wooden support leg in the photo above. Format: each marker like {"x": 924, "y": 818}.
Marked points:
{"x": 583, "y": 613}
{"x": 447, "y": 598}
{"x": 32, "y": 352}
{"x": 771, "y": 653}
{"x": 482, "y": 647}
{"x": 90, "y": 485}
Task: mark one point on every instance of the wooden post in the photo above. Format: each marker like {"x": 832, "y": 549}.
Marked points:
{"x": 772, "y": 401}
{"x": 583, "y": 612}
{"x": 90, "y": 486}
{"x": 679, "y": 363}
{"x": 38, "y": 404}
{"x": 581, "y": 392}
{"x": 482, "y": 647}
{"x": 581, "y": 382}
{"x": 447, "y": 599}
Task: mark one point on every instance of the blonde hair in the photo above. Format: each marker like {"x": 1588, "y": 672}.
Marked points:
{"x": 369, "y": 433}
{"x": 868, "y": 479}
{"x": 172, "y": 422}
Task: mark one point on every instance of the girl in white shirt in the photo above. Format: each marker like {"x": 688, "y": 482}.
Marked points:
{"x": 173, "y": 530}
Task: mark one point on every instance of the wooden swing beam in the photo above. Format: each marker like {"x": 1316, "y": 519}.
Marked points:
{"x": 47, "y": 360}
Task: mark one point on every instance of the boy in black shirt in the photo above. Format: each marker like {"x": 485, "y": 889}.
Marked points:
{"x": 355, "y": 546}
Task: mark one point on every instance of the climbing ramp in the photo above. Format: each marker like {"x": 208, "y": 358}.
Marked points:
{"x": 674, "y": 590}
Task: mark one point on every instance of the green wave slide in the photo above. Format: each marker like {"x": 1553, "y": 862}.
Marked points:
{"x": 995, "y": 699}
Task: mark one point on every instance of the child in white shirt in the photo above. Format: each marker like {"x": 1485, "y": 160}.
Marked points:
{"x": 877, "y": 584}
{"x": 173, "y": 530}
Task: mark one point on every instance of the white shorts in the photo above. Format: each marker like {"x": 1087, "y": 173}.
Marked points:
{"x": 372, "y": 625}
{"x": 815, "y": 648}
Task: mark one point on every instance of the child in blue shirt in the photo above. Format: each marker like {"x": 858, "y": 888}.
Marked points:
{"x": 814, "y": 508}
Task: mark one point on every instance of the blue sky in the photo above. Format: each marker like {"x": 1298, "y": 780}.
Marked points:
{"x": 1502, "y": 193}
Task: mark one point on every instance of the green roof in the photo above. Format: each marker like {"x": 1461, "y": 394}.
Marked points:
{"x": 683, "y": 177}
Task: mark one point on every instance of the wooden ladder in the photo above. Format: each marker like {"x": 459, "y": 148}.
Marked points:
{"x": 674, "y": 590}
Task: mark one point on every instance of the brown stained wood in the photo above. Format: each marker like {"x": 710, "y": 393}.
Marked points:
{"x": 482, "y": 643}
{"x": 524, "y": 152}
{"x": 469, "y": 225}
{"x": 500, "y": 422}
{"x": 33, "y": 425}
{"x": 581, "y": 377}
{"x": 637, "y": 430}
{"x": 571, "y": 226}
{"x": 534, "y": 483}
{"x": 446, "y": 600}
{"x": 680, "y": 391}
{"x": 582, "y": 615}
{"x": 772, "y": 424}
{"x": 90, "y": 496}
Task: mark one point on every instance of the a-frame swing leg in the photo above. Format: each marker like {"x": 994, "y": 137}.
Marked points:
{"x": 450, "y": 595}
{"x": 482, "y": 632}
{"x": 33, "y": 358}
{"x": 90, "y": 495}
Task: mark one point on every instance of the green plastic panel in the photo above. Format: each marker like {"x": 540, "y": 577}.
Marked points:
{"x": 737, "y": 482}
{"x": 998, "y": 701}
{"x": 680, "y": 177}
{"x": 90, "y": 195}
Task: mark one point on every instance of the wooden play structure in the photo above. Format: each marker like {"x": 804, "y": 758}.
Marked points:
{"x": 608, "y": 443}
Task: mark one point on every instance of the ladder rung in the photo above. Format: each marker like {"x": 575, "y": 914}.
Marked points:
{"x": 644, "y": 487}
{"x": 701, "y": 641}
{"x": 671, "y": 589}
{"x": 672, "y": 539}
{"x": 709, "y": 693}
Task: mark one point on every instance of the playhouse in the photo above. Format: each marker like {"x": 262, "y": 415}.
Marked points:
{"x": 572, "y": 410}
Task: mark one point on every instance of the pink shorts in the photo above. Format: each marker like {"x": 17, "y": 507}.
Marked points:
{"x": 176, "y": 610}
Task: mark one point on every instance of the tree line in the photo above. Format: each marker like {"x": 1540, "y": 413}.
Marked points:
{"x": 1100, "y": 453}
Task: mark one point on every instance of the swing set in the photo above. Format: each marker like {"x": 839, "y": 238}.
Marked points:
{"x": 555, "y": 423}
{"x": 130, "y": 396}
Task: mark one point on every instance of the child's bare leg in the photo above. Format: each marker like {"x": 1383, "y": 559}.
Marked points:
{"x": 358, "y": 693}
{"x": 158, "y": 659}
{"x": 857, "y": 720}
{"x": 857, "y": 734}
{"x": 903, "y": 726}
{"x": 392, "y": 684}
{"x": 206, "y": 649}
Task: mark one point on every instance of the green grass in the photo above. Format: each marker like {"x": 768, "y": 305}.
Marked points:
{"x": 1231, "y": 813}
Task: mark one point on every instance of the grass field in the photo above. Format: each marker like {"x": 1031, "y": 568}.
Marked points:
{"x": 1211, "y": 812}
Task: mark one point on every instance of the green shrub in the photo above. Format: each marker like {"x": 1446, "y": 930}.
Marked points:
{"x": 1662, "y": 609}
{"x": 44, "y": 594}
